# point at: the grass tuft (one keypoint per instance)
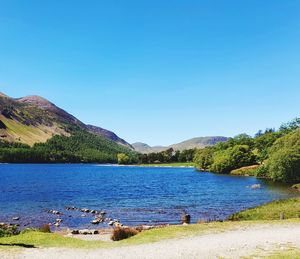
(289, 208)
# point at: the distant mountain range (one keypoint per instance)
(199, 142)
(34, 119)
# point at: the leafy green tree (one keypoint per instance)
(123, 159)
(263, 144)
(233, 158)
(284, 158)
(290, 126)
(204, 158)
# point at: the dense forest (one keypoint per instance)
(167, 156)
(81, 147)
(276, 154)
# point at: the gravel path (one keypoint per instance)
(230, 244)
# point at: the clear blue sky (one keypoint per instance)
(157, 71)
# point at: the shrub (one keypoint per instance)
(45, 228)
(123, 233)
(262, 172)
(7, 230)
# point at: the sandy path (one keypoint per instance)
(229, 244)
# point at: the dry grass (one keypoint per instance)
(123, 233)
(246, 170)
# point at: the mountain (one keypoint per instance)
(199, 142)
(107, 134)
(145, 148)
(34, 119)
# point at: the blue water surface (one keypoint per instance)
(134, 195)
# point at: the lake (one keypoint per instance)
(134, 195)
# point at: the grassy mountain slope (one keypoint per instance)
(33, 119)
(199, 142)
(18, 132)
(34, 130)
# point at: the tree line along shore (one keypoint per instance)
(271, 154)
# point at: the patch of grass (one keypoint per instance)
(247, 170)
(271, 211)
(296, 186)
(39, 239)
(27, 134)
(291, 253)
(170, 165)
(178, 231)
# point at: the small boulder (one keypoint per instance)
(75, 232)
(84, 232)
(255, 186)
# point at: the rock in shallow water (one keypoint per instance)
(255, 186)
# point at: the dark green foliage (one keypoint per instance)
(203, 158)
(262, 172)
(167, 156)
(263, 142)
(284, 158)
(8, 230)
(5, 144)
(232, 158)
(290, 126)
(186, 155)
(2, 125)
(81, 147)
(277, 152)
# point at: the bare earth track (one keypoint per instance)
(245, 241)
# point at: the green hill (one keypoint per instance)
(33, 129)
(33, 119)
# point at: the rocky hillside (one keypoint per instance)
(107, 134)
(199, 142)
(34, 119)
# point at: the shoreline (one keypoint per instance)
(211, 240)
(167, 165)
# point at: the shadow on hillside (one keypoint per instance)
(19, 244)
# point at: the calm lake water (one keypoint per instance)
(134, 195)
